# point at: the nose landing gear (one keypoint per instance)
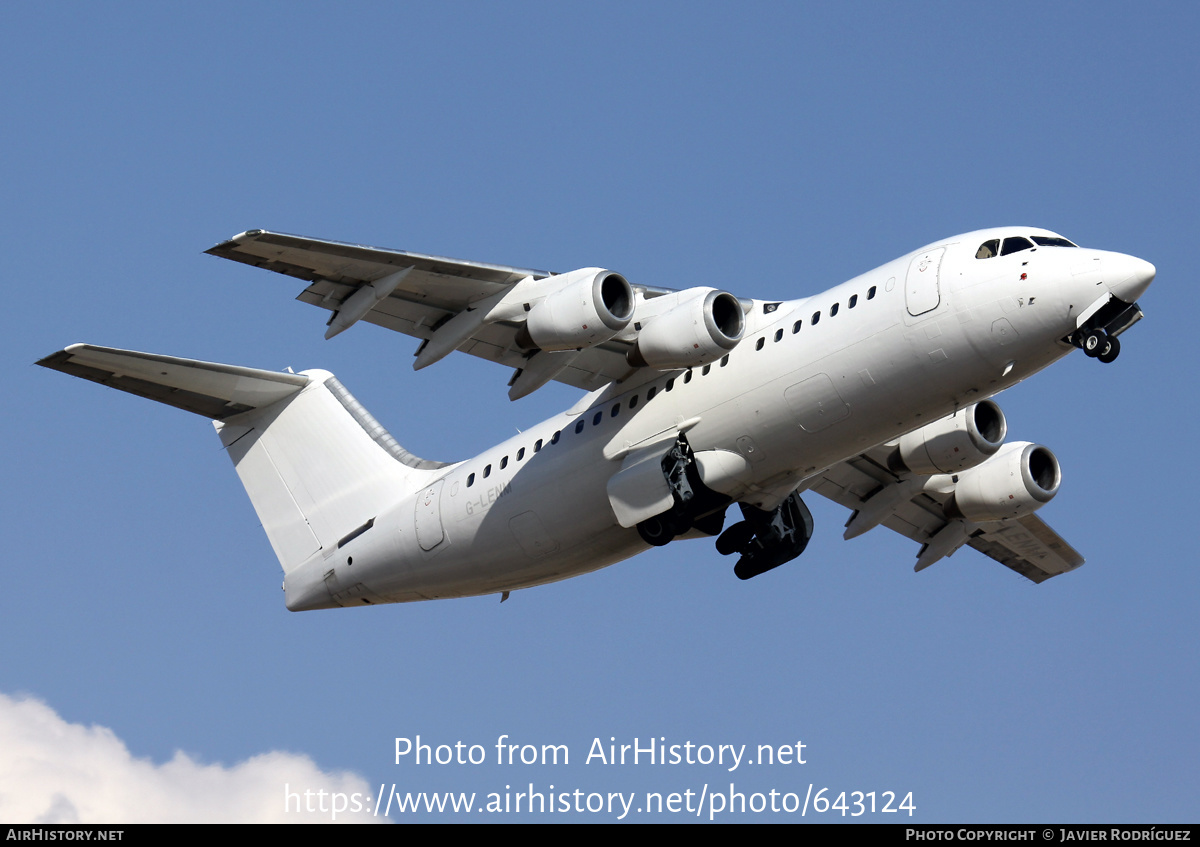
(1098, 344)
(1098, 337)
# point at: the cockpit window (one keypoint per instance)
(1052, 241)
(1015, 245)
(988, 249)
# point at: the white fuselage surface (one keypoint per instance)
(813, 382)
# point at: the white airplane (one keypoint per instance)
(873, 394)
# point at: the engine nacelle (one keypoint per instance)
(700, 329)
(590, 306)
(1017, 481)
(962, 440)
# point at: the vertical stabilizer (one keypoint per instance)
(317, 467)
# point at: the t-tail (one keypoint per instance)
(317, 466)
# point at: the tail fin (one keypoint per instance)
(318, 468)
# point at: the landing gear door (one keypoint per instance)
(429, 516)
(639, 490)
(921, 292)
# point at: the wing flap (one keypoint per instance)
(210, 389)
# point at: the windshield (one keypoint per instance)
(1052, 241)
(1017, 243)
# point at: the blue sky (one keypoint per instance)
(770, 149)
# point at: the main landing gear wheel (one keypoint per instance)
(694, 505)
(766, 540)
(657, 531)
(736, 539)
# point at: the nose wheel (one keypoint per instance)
(1098, 344)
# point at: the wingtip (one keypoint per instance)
(54, 359)
(218, 249)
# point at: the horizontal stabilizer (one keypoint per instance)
(205, 388)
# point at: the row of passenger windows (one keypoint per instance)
(598, 417)
(816, 317)
(991, 248)
(615, 409)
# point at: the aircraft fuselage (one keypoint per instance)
(813, 382)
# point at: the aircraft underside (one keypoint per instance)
(763, 539)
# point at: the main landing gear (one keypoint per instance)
(764, 539)
(696, 506)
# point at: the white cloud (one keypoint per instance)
(52, 771)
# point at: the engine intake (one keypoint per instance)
(1017, 481)
(590, 306)
(959, 441)
(700, 329)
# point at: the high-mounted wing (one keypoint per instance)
(911, 506)
(581, 328)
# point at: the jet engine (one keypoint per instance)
(1017, 481)
(590, 306)
(700, 329)
(959, 441)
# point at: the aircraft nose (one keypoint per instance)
(1128, 277)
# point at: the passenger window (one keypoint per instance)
(554, 438)
(758, 345)
(778, 334)
(871, 293)
(833, 310)
(470, 480)
(633, 402)
(724, 362)
(988, 249)
(796, 326)
(616, 410)
(487, 471)
(579, 424)
(707, 368)
(521, 454)
(599, 416)
(537, 445)
(670, 383)
(1015, 245)
(650, 394)
(852, 302)
(687, 377)
(816, 317)
(504, 463)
